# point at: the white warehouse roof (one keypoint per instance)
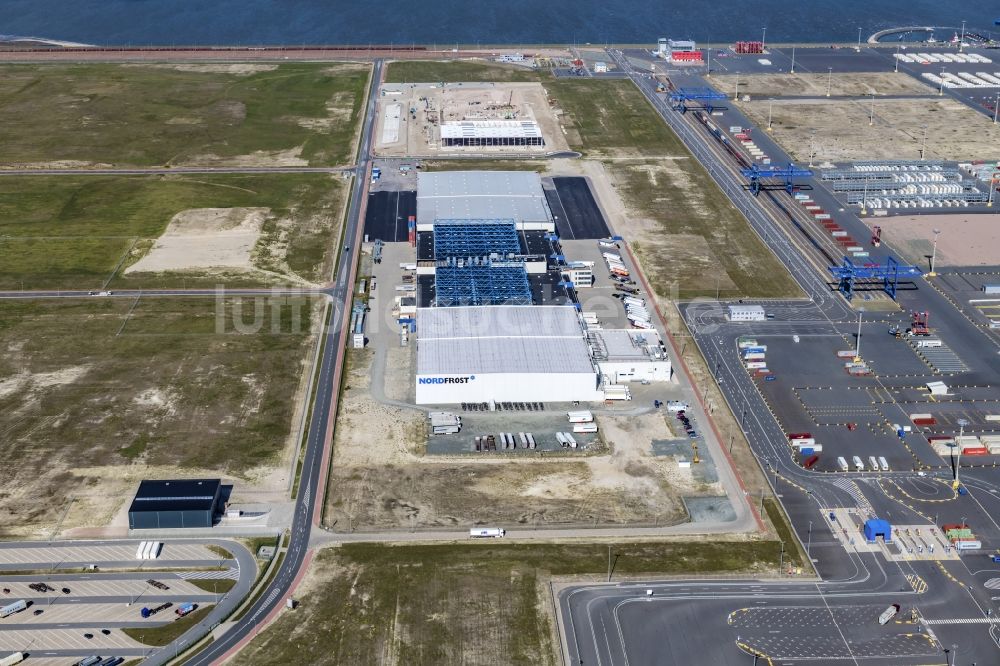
(527, 339)
(485, 129)
(481, 195)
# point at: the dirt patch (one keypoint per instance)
(410, 115)
(839, 130)
(236, 68)
(965, 240)
(203, 238)
(259, 158)
(381, 479)
(816, 84)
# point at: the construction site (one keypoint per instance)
(441, 119)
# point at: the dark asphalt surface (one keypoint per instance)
(610, 625)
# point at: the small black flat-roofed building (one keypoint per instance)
(166, 504)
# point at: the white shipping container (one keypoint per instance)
(584, 427)
(140, 549)
(858, 464)
(756, 365)
(873, 463)
(842, 464)
(883, 463)
(580, 417)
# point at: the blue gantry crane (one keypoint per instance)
(679, 98)
(755, 174)
(889, 273)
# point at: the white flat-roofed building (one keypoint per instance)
(747, 313)
(503, 353)
(625, 355)
(483, 195)
(580, 273)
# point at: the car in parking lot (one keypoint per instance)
(88, 636)
(38, 611)
(65, 590)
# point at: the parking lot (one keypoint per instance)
(80, 596)
(578, 216)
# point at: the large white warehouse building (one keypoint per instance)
(532, 353)
(483, 195)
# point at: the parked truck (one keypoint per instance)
(580, 417)
(487, 533)
(186, 608)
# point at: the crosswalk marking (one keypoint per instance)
(231, 573)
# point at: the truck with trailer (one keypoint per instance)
(858, 463)
(487, 533)
(92, 660)
(842, 463)
(11, 659)
(883, 463)
(583, 416)
(584, 427)
(873, 463)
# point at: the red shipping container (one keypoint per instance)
(928, 422)
(975, 451)
(799, 435)
(810, 461)
(940, 438)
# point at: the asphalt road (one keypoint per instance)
(601, 625)
(314, 463)
(155, 171)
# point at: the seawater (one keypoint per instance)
(450, 22)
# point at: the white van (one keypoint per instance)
(883, 463)
(873, 463)
(842, 463)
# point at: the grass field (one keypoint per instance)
(97, 393)
(429, 71)
(690, 239)
(162, 114)
(610, 118)
(72, 231)
(470, 603)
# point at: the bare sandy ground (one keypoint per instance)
(966, 239)
(435, 104)
(839, 130)
(382, 479)
(815, 84)
(203, 238)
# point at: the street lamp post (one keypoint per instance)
(770, 110)
(996, 109)
(932, 273)
(859, 40)
(871, 116)
(829, 80)
(736, 95)
(941, 87)
(896, 66)
(864, 198)
(793, 61)
(923, 141)
(958, 459)
(763, 38)
(857, 350)
(809, 540)
(961, 40)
